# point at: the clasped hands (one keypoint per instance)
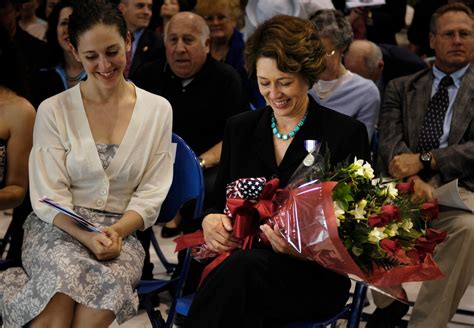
(106, 245)
(217, 229)
(408, 166)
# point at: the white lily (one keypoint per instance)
(390, 190)
(376, 235)
(359, 210)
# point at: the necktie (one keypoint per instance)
(432, 127)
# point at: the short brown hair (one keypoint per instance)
(456, 6)
(293, 42)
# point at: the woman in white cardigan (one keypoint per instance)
(103, 149)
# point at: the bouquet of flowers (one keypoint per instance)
(351, 223)
(339, 217)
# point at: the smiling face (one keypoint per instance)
(186, 47)
(453, 41)
(137, 13)
(62, 31)
(286, 93)
(101, 50)
(220, 23)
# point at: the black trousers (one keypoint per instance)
(259, 288)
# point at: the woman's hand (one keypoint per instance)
(217, 230)
(106, 245)
(278, 243)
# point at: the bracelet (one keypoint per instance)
(202, 163)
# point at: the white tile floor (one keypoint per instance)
(141, 320)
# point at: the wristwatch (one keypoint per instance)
(425, 158)
(202, 163)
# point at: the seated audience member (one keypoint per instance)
(338, 88)
(203, 92)
(32, 51)
(419, 29)
(258, 11)
(146, 45)
(17, 116)
(31, 23)
(49, 5)
(227, 43)
(103, 149)
(365, 59)
(247, 289)
(427, 137)
(65, 71)
(381, 63)
(168, 9)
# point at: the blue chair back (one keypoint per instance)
(188, 184)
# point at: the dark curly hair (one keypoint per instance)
(293, 42)
(89, 13)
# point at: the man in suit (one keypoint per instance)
(429, 152)
(146, 45)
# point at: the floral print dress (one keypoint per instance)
(54, 262)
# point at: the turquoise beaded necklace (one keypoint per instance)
(292, 133)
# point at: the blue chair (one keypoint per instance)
(188, 184)
(351, 312)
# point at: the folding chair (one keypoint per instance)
(188, 184)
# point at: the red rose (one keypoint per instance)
(390, 212)
(389, 246)
(406, 187)
(424, 246)
(375, 221)
(436, 236)
(430, 210)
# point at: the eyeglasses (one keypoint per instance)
(448, 35)
(211, 18)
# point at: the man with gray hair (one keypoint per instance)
(365, 58)
(381, 63)
(203, 92)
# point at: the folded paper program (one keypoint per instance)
(75, 217)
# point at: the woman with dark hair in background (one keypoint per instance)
(64, 70)
(248, 289)
(103, 149)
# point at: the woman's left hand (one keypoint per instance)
(278, 243)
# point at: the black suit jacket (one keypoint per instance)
(150, 47)
(248, 151)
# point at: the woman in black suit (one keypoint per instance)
(270, 287)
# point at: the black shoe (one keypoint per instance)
(170, 232)
(389, 317)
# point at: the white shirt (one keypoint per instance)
(64, 164)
